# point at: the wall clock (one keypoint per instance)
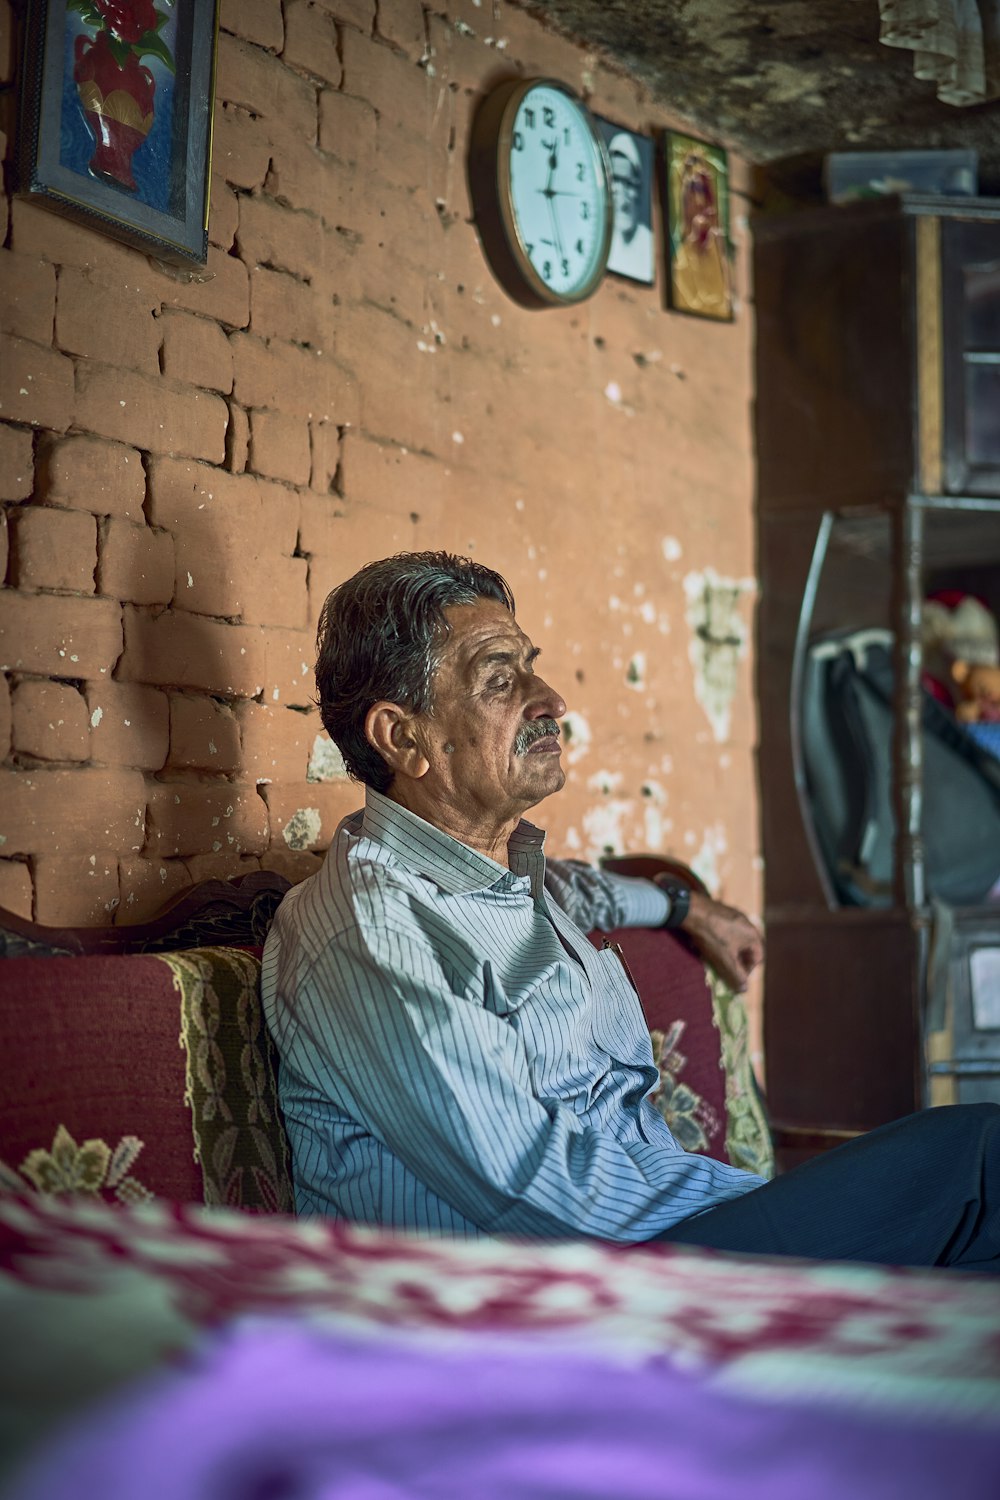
(541, 190)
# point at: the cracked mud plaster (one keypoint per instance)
(718, 641)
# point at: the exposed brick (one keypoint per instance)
(113, 324)
(384, 476)
(76, 892)
(403, 382)
(241, 146)
(306, 816)
(284, 306)
(294, 864)
(289, 659)
(27, 306)
(219, 291)
(60, 812)
(293, 380)
(196, 351)
(402, 23)
(320, 521)
(248, 76)
(225, 866)
(224, 212)
(36, 385)
(176, 649)
(5, 720)
(58, 636)
(303, 177)
(271, 235)
(135, 563)
(458, 56)
(359, 13)
(129, 725)
(311, 41)
(54, 549)
(256, 21)
(275, 741)
(248, 581)
(105, 478)
(347, 127)
(325, 447)
(205, 818)
(399, 91)
(17, 464)
(152, 414)
(196, 501)
(49, 721)
(279, 446)
(38, 232)
(16, 889)
(204, 735)
(146, 885)
(237, 439)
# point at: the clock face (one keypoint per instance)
(557, 204)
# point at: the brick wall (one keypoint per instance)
(188, 463)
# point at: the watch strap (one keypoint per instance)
(679, 897)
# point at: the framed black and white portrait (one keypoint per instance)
(632, 248)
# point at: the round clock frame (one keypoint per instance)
(493, 155)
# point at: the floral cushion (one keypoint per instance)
(707, 1093)
(126, 1077)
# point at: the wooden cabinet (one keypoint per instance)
(878, 436)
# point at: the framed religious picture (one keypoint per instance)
(632, 245)
(696, 197)
(116, 117)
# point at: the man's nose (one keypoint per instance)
(545, 702)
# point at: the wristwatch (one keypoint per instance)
(679, 897)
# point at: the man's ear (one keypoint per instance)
(392, 731)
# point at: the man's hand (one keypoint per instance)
(725, 938)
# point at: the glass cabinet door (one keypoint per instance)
(970, 284)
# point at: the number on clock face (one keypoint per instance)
(557, 189)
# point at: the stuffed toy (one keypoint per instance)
(978, 686)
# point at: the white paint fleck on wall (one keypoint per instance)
(635, 672)
(718, 641)
(603, 827)
(706, 862)
(604, 782)
(303, 828)
(656, 825)
(96, 717)
(672, 549)
(576, 737)
(325, 761)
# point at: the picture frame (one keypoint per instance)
(633, 246)
(696, 203)
(115, 121)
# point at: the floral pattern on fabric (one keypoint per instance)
(239, 1138)
(692, 1120)
(91, 1168)
(748, 1138)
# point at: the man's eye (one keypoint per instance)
(499, 684)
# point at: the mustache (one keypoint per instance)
(536, 730)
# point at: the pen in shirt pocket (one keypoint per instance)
(616, 948)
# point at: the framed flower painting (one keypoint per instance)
(116, 117)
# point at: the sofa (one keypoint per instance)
(137, 1064)
(170, 1327)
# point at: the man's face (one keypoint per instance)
(491, 739)
(627, 189)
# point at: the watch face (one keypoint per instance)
(559, 199)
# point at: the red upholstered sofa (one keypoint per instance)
(136, 1062)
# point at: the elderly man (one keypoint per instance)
(455, 1056)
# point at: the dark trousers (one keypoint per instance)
(923, 1191)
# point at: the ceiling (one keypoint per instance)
(783, 81)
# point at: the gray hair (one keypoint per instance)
(380, 638)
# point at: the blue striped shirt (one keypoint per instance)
(457, 1057)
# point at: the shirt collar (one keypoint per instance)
(452, 865)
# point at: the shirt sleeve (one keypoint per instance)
(595, 898)
(444, 1083)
